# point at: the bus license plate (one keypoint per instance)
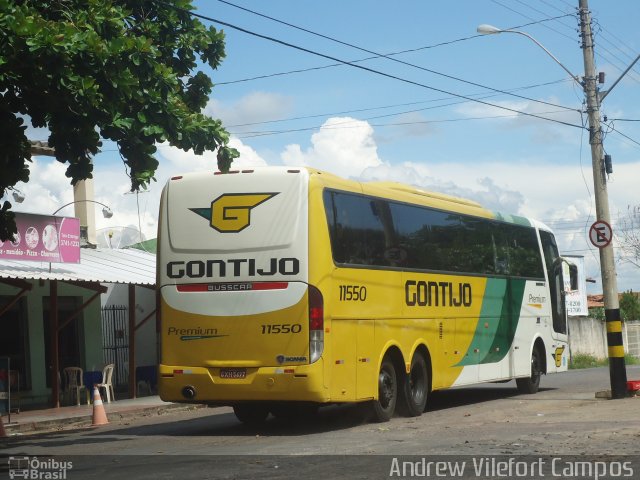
(233, 373)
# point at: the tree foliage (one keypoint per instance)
(629, 308)
(88, 70)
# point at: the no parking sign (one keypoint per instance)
(600, 234)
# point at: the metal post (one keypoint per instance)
(53, 328)
(617, 371)
(132, 341)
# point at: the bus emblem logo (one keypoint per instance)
(231, 212)
(285, 359)
(557, 356)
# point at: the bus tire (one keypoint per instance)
(415, 388)
(531, 384)
(384, 407)
(250, 413)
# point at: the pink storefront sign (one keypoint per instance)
(43, 238)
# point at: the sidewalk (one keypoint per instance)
(73, 417)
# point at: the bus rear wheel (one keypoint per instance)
(415, 388)
(251, 414)
(531, 384)
(383, 408)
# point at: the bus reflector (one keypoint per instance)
(270, 285)
(316, 324)
(231, 287)
(193, 287)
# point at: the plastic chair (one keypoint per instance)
(107, 376)
(74, 384)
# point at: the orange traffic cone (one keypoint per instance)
(99, 415)
(2, 431)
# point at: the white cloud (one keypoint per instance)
(535, 187)
(508, 115)
(410, 124)
(343, 146)
(49, 188)
(48, 192)
(489, 194)
(173, 160)
(253, 107)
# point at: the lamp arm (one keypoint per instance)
(77, 201)
(575, 78)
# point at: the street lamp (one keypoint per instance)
(17, 195)
(617, 371)
(106, 211)
(486, 29)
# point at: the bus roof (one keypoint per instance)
(412, 194)
(403, 193)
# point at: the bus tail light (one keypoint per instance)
(316, 324)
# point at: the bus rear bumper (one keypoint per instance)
(205, 385)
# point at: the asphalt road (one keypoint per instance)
(563, 418)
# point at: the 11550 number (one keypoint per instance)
(281, 328)
(353, 293)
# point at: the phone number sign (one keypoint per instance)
(43, 238)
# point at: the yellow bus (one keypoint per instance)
(285, 289)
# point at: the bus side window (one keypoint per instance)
(556, 287)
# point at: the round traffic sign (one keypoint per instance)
(600, 234)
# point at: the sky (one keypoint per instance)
(408, 116)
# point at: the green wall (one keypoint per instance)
(91, 357)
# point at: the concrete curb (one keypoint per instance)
(85, 420)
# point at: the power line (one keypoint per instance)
(547, 15)
(554, 7)
(435, 72)
(600, 34)
(600, 55)
(361, 67)
(345, 112)
(625, 136)
(450, 120)
(342, 125)
(622, 42)
(302, 70)
(530, 18)
(578, 223)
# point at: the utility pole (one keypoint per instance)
(617, 370)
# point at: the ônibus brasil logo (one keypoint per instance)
(231, 212)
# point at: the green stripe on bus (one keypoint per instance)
(499, 317)
(490, 316)
(508, 323)
(518, 220)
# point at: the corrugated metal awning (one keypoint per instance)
(129, 266)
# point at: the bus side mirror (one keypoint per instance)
(573, 276)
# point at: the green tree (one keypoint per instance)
(629, 306)
(122, 70)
